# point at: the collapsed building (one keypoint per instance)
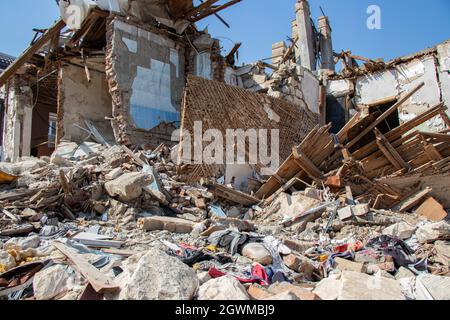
(358, 193)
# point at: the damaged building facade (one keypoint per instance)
(118, 76)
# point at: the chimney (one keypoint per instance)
(326, 44)
(304, 53)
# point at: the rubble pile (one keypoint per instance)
(96, 222)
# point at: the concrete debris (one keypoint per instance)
(328, 289)
(433, 231)
(159, 276)
(128, 186)
(173, 225)
(346, 265)
(401, 230)
(360, 286)
(7, 261)
(54, 281)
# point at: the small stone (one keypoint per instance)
(50, 282)
(174, 225)
(59, 161)
(258, 253)
(234, 212)
(433, 231)
(31, 242)
(223, 288)
(404, 273)
(299, 264)
(200, 203)
(257, 292)
(345, 213)
(114, 174)
(203, 277)
(301, 293)
(328, 289)
(129, 186)
(360, 210)
(7, 261)
(347, 265)
(313, 193)
(283, 296)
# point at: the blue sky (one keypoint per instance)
(408, 26)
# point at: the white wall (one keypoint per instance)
(444, 72)
(310, 89)
(400, 80)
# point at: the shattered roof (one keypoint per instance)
(5, 60)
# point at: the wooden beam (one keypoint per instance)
(28, 53)
(215, 10)
(437, 136)
(307, 165)
(100, 282)
(412, 200)
(446, 119)
(389, 151)
(382, 101)
(431, 152)
(385, 115)
(197, 10)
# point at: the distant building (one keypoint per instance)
(5, 61)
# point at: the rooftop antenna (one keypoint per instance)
(323, 13)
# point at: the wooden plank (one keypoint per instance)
(437, 136)
(446, 119)
(382, 101)
(317, 145)
(432, 210)
(133, 156)
(28, 53)
(197, 10)
(215, 10)
(306, 164)
(432, 153)
(121, 252)
(11, 216)
(390, 152)
(397, 133)
(100, 282)
(386, 114)
(232, 195)
(412, 200)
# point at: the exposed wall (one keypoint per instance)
(17, 125)
(444, 72)
(146, 78)
(290, 82)
(80, 100)
(221, 107)
(397, 81)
